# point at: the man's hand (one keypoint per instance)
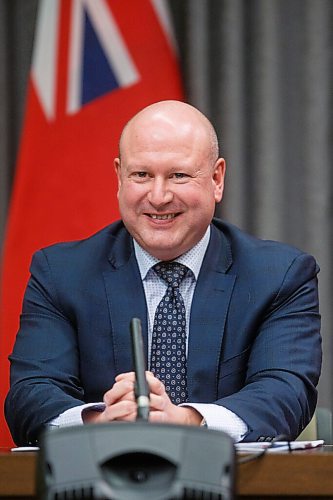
(120, 404)
(161, 407)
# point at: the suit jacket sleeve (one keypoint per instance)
(45, 376)
(282, 364)
(74, 330)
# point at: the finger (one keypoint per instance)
(130, 376)
(157, 402)
(125, 376)
(118, 391)
(128, 397)
(122, 410)
(171, 414)
(158, 417)
(155, 385)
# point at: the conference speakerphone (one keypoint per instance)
(134, 461)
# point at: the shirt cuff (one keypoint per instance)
(216, 417)
(221, 419)
(73, 416)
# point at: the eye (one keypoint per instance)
(141, 175)
(179, 175)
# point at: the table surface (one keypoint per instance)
(300, 474)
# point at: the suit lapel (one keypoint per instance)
(126, 300)
(208, 315)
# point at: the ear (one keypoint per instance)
(117, 167)
(218, 178)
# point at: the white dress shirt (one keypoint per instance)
(216, 417)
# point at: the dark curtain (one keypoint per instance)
(17, 20)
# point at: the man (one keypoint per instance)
(249, 351)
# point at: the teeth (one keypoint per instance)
(162, 217)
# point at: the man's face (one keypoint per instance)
(168, 187)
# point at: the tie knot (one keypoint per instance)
(171, 272)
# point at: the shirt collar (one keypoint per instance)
(192, 258)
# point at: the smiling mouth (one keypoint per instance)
(162, 217)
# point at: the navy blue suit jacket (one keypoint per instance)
(254, 343)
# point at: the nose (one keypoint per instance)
(159, 193)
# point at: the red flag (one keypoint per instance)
(95, 63)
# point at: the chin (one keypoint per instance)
(168, 252)
(161, 252)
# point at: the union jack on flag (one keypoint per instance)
(98, 58)
(95, 64)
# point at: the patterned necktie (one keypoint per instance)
(168, 350)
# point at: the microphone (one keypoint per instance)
(141, 385)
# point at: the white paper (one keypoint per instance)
(278, 446)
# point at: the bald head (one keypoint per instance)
(172, 117)
(169, 178)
